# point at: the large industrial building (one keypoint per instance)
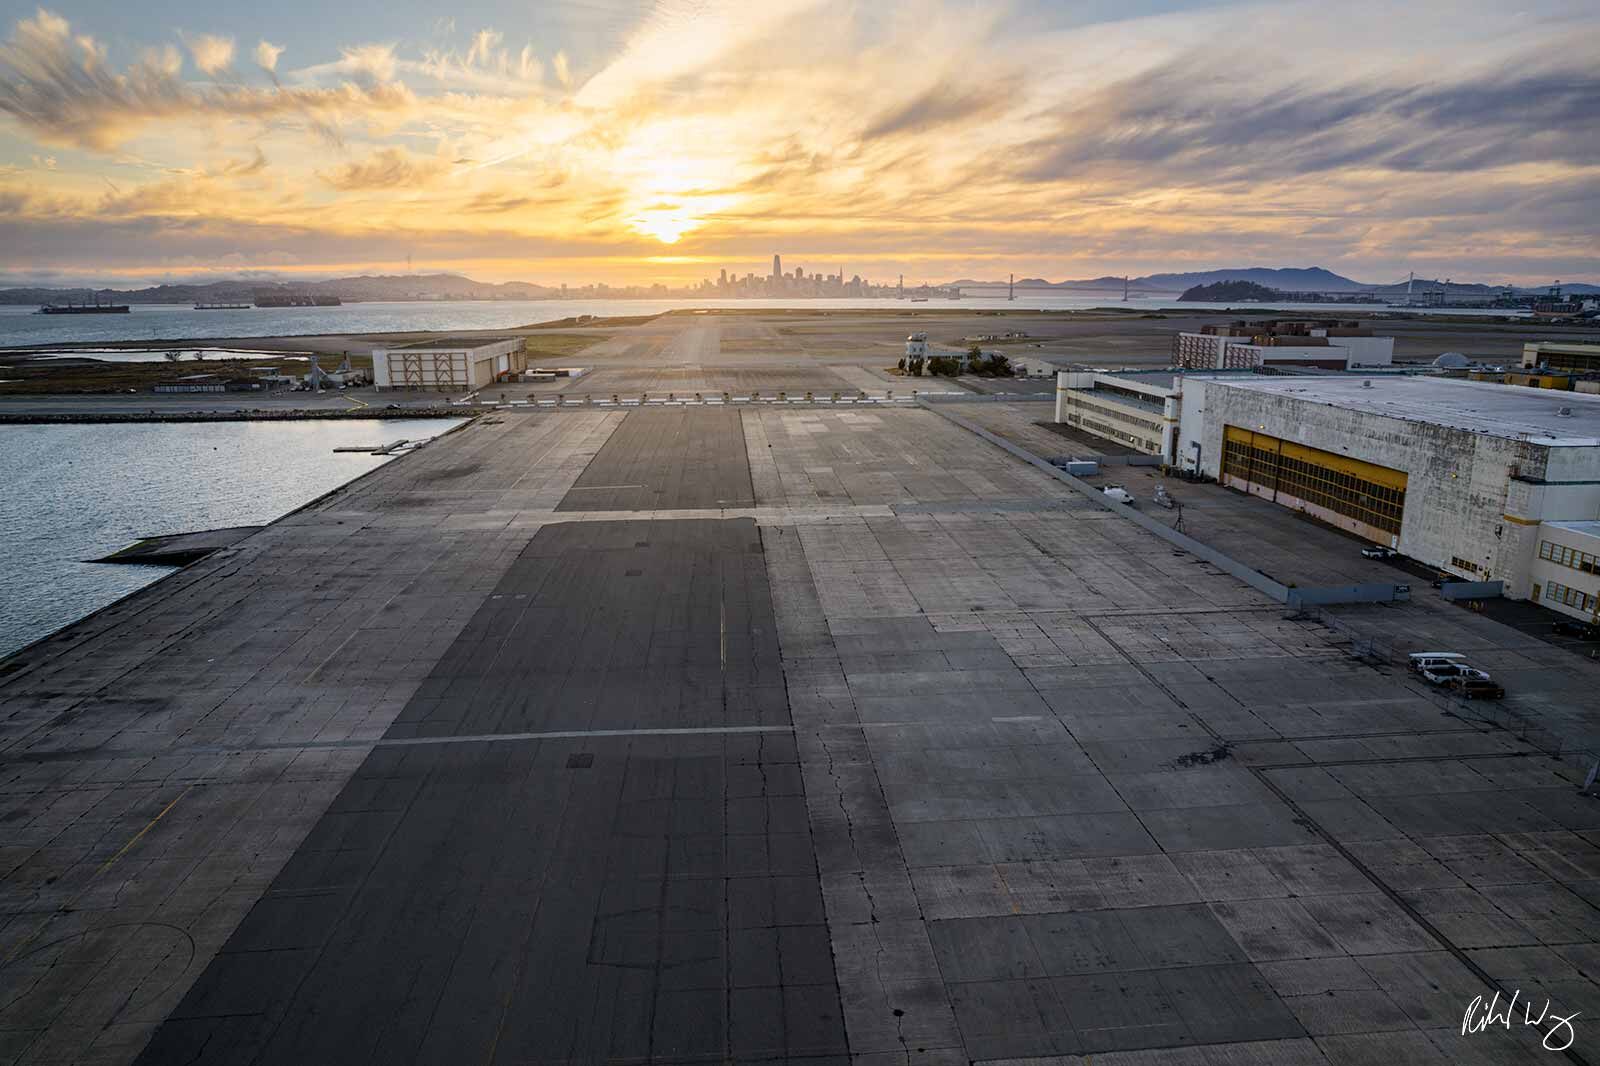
(449, 364)
(1485, 482)
(1137, 409)
(1324, 345)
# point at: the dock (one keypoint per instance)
(179, 549)
(381, 449)
(764, 734)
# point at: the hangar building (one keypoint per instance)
(1486, 482)
(448, 364)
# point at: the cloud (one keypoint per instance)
(240, 168)
(267, 55)
(487, 65)
(485, 45)
(165, 62)
(496, 203)
(920, 132)
(57, 87)
(1169, 122)
(950, 100)
(388, 168)
(686, 37)
(368, 63)
(211, 54)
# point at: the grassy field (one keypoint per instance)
(35, 377)
(587, 321)
(556, 347)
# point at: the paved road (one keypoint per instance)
(641, 896)
(668, 460)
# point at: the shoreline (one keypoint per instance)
(257, 415)
(896, 308)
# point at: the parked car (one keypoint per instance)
(1573, 627)
(1445, 673)
(1423, 660)
(1117, 494)
(1473, 689)
(1377, 551)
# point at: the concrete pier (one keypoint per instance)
(765, 735)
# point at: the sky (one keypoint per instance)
(611, 141)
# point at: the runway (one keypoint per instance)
(766, 734)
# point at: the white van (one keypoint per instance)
(1425, 660)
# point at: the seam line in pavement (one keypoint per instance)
(559, 734)
(1394, 896)
(578, 734)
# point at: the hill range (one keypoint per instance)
(1284, 279)
(457, 287)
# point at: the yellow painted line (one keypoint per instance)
(358, 403)
(140, 834)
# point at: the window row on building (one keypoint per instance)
(1317, 478)
(1571, 597)
(1562, 555)
(1113, 411)
(1465, 564)
(1117, 433)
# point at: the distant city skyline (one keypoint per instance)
(640, 143)
(823, 282)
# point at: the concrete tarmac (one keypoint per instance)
(866, 743)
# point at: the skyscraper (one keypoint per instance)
(777, 267)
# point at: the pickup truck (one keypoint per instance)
(1448, 673)
(1473, 689)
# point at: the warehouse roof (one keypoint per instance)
(1475, 406)
(1589, 529)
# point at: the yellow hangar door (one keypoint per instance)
(1364, 498)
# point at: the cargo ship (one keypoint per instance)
(96, 308)
(222, 307)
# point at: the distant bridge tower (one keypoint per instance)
(900, 289)
(1011, 288)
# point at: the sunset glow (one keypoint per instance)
(935, 139)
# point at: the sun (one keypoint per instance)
(665, 224)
